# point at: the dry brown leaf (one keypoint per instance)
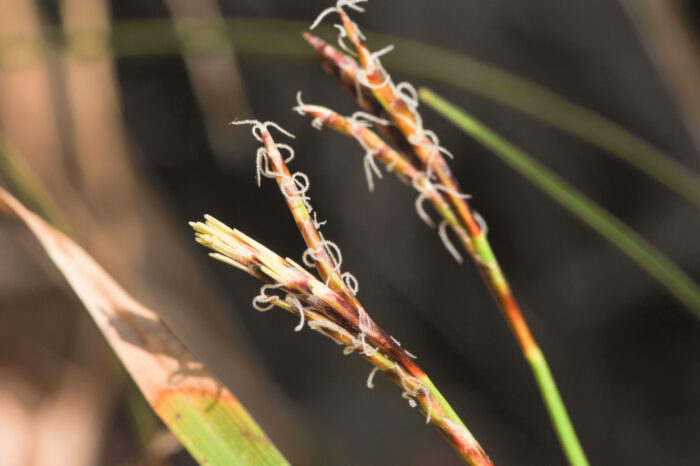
(204, 415)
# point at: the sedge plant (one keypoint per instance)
(420, 159)
(327, 303)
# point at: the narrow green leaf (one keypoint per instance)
(556, 408)
(609, 227)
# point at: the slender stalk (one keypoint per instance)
(538, 364)
(555, 408)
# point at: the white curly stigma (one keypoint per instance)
(408, 353)
(301, 184)
(259, 126)
(338, 8)
(367, 119)
(262, 166)
(310, 256)
(427, 139)
(289, 149)
(421, 183)
(360, 342)
(298, 182)
(357, 342)
(342, 35)
(317, 223)
(263, 301)
(420, 210)
(363, 120)
(370, 165)
(411, 393)
(323, 327)
(451, 192)
(442, 231)
(426, 187)
(295, 303)
(304, 109)
(435, 143)
(422, 137)
(300, 105)
(481, 221)
(408, 93)
(351, 282)
(294, 186)
(262, 162)
(370, 377)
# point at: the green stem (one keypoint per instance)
(442, 401)
(455, 430)
(556, 409)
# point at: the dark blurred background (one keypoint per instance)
(130, 148)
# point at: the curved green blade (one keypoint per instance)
(609, 227)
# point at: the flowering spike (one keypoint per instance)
(332, 315)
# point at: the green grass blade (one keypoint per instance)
(556, 409)
(612, 229)
(208, 420)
